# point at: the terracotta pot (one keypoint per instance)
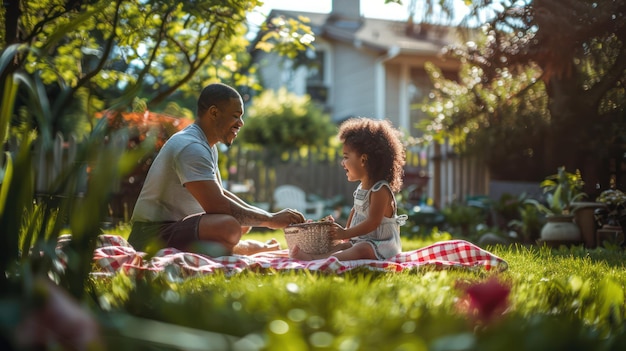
(560, 228)
(584, 216)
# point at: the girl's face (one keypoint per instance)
(354, 164)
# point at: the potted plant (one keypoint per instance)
(611, 216)
(561, 191)
(615, 201)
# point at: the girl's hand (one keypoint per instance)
(337, 232)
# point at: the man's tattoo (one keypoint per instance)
(248, 217)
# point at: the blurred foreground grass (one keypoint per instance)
(560, 299)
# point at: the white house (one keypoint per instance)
(375, 68)
(362, 66)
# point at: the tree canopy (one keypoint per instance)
(92, 54)
(573, 52)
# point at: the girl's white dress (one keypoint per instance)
(385, 240)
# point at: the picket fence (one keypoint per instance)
(435, 173)
(50, 161)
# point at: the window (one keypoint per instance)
(315, 76)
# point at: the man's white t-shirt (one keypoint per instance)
(185, 157)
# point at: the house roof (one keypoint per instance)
(377, 34)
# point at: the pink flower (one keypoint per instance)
(60, 321)
(485, 300)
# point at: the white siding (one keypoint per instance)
(353, 84)
(275, 72)
(392, 98)
(270, 70)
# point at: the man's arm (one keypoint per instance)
(238, 200)
(214, 199)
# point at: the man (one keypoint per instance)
(182, 203)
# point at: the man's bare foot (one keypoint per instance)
(251, 247)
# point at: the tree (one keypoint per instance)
(579, 50)
(502, 122)
(77, 58)
(95, 54)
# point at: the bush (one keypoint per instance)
(283, 121)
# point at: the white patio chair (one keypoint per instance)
(291, 196)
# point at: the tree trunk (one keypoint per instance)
(11, 17)
(571, 134)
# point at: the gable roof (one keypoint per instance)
(376, 34)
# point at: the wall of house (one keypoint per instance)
(347, 8)
(392, 94)
(407, 86)
(275, 72)
(354, 89)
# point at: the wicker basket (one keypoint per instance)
(312, 237)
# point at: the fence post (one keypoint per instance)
(434, 169)
(58, 162)
(40, 159)
(119, 141)
(81, 177)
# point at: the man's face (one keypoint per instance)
(228, 121)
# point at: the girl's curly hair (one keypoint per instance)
(382, 144)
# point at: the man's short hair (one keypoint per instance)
(215, 94)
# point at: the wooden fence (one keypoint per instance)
(454, 178)
(317, 173)
(51, 161)
(434, 173)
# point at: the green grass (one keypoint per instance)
(560, 299)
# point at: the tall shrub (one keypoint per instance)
(283, 121)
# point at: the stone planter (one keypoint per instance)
(560, 230)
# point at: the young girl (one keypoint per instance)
(373, 155)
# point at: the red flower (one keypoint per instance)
(485, 300)
(142, 123)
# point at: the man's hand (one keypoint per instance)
(285, 217)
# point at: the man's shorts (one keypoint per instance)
(152, 236)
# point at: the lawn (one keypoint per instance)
(548, 299)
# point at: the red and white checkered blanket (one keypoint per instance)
(114, 253)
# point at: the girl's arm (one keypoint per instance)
(381, 204)
(350, 217)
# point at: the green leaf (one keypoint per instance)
(9, 53)
(556, 204)
(18, 194)
(6, 109)
(612, 299)
(5, 180)
(39, 103)
(61, 32)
